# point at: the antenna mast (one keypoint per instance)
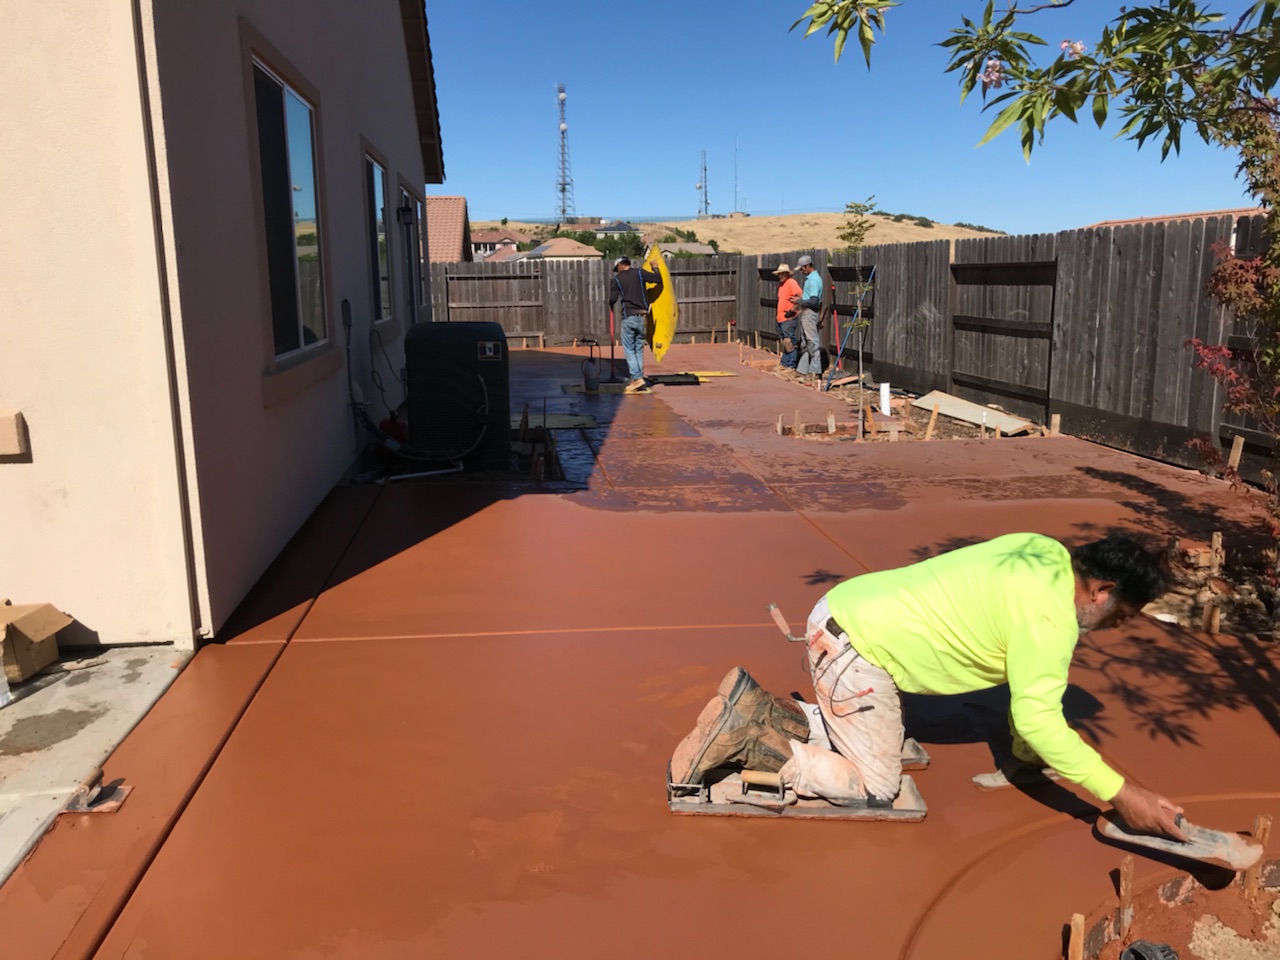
(704, 205)
(564, 182)
(735, 174)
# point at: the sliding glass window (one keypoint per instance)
(291, 207)
(380, 255)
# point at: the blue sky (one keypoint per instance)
(651, 86)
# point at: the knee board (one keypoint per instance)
(664, 312)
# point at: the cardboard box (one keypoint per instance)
(29, 637)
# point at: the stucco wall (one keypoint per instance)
(261, 466)
(92, 522)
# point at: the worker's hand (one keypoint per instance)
(1148, 812)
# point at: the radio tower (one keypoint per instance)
(564, 183)
(703, 205)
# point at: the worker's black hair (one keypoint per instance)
(1124, 562)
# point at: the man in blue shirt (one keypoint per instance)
(628, 291)
(810, 303)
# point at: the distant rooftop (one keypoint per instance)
(1235, 212)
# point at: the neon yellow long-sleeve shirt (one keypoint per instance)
(1000, 611)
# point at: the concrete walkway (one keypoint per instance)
(439, 725)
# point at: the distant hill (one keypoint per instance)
(752, 235)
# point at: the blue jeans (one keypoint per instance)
(811, 351)
(788, 328)
(633, 329)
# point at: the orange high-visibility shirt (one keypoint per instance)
(787, 289)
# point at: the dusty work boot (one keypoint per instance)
(743, 726)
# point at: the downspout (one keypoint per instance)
(198, 628)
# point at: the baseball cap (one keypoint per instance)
(804, 261)
(620, 261)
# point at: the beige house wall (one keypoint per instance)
(269, 445)
(92, 522)
(98, 511)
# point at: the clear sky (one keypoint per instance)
(652, 85)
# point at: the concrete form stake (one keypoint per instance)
(1055, 424)
(1237, 448)
(1216, 553)
(757, 339)
(1212, 617)
(933, 419)
(796, 425)
(1075, 946)
(831, 421)
(782, 431)
(1253, 876)
(1126, 896)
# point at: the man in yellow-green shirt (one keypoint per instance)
(1006, 611)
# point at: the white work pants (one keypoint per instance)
(862, 710)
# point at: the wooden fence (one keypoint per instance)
(1090, 324)
(552, 302)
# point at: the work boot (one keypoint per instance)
(742, 725)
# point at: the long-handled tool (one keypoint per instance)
(1222, 849)
(613, 370)
(853, 324)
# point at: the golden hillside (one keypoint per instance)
(794, 231)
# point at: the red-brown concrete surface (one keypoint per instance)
(461, 750)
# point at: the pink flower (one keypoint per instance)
(993, 76)
(1072, 48)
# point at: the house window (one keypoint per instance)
(290, 203)
(422, 255)
(380, 256)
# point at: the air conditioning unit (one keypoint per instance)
(459, 393)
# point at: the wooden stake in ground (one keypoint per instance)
(1126, 896)
(1075, 946)
(1237, 449)
(797, 426)
(782, 431)
(757, 339)
(1253, 876)
(831, 421)
(1212, 618)
(1216, 553)
(1055, 424)
(871, 422)
(933, 419)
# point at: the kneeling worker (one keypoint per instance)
(1006, 611)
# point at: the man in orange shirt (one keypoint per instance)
(788, 323)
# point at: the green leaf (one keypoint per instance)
(866, 38)
(840, 38)
(1099, 109)
(1003, 121)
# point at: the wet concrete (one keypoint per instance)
(461, 749)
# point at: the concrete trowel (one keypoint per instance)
(1217, 847)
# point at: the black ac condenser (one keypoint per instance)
(459, 393)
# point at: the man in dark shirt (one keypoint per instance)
(628, 290)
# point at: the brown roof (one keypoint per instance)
(498, 236)
(448, 230)
(1236, 212)
(563, 247)
(417, 41)
(500, 255)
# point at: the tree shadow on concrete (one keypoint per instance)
(1174, 683)
(1178, 513)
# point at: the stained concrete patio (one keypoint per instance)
(440, 724)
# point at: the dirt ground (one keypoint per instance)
(754, 235)
(1204, 924)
